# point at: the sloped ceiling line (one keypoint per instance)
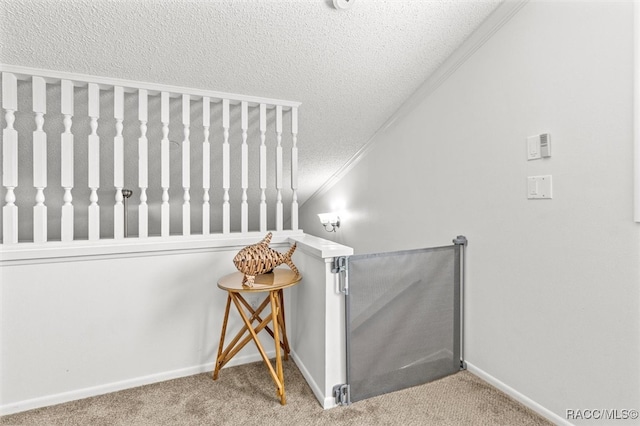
(476, 40)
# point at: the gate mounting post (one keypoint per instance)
(461, 241)
(342, 393)
(340, 266)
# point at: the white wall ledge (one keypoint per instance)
(319, 247)
(54, 251)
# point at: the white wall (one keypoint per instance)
(85, 325)
(83, 321)
(553, 299)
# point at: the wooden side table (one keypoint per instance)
(273, 283)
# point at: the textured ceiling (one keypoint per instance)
(350, 69)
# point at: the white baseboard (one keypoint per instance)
(329, 402)
(524, 400)
(325, 401)
(47, 400)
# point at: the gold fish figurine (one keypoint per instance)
(259, 259)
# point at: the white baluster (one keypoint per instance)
(164, 165)
(244, 222)
(143, 165)
(294, 168)
(279, 218)
(66, 162)
(226, 222)
(10, 159)
(206, 176)
(94, 162)
(118, 163)
(39, 160)
(263, 168)
(186, 165)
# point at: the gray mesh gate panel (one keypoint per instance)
(403, 319)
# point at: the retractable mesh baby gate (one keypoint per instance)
(403, 319)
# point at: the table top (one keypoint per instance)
(275, 280)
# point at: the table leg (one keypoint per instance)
(277, 317)
(283, 326)
(256, 314)
(275, 311)
(275, 376)
(234, 347)
(224, 331)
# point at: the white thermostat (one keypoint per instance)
(539, 146)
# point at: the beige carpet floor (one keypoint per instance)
(245, 395)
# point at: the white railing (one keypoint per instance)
(218, 136)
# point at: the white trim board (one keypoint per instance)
(57, 251)
(524, 400)
(493, 23)
(74, 395)
(325, 402)
(636, 112)
(107, 83)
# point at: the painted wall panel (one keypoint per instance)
(553, 286)
(73, 326)
(93, 321)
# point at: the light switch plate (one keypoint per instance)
(539, 187)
